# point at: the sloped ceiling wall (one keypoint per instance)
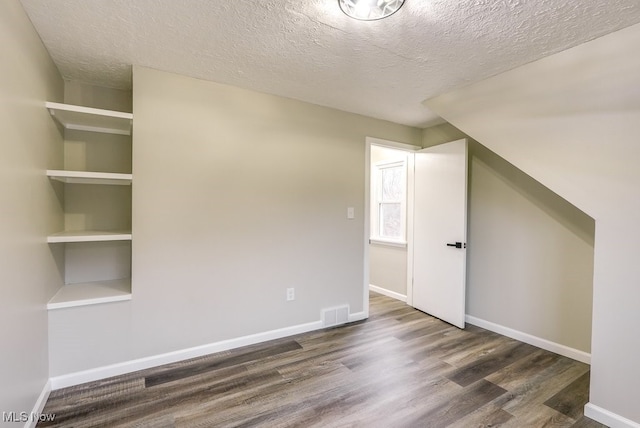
(572, 122)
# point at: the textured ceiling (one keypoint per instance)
(309, 50)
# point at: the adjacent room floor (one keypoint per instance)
(400, 368)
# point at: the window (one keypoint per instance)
(389, 202)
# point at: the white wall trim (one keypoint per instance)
(39, 405)
(388, 293)
(608, 418)
(388, 243)
(358, 316)
(563, 350)
(411, 186)
(77, 378)
(391, 144)
(366, 253)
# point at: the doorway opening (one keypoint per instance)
(418, 211)
(388, 202)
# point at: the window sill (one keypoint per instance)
(388, 242)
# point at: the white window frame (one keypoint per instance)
(376, 200)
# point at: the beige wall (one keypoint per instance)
(237, 196)
(530, 255)
(572, 122)
(30, 271)
(440, 134)
(388, 267)
(83, 94)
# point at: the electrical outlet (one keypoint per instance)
(291, 294)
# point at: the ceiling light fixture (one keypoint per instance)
(370, 10)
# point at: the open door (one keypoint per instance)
(440, 230)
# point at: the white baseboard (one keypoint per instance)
(358, 316)
(563, 350)
(64, 381)
(39, 405)
(388, 293)
(608, 418)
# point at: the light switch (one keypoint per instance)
(351, 213)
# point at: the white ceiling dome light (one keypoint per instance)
(370, 10)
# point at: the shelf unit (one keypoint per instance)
(93, 120)
(86, 177)
(82, 118)
(89, 236)
(91, 293)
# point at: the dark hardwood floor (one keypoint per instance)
(400, 368)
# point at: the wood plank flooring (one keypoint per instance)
(400, 368)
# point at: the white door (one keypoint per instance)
(440, 230)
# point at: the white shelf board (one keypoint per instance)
(89, 236)
(91, 119)
(86, 177)
(91, 293)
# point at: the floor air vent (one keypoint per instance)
(335, 316)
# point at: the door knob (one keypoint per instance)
(457, 244)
